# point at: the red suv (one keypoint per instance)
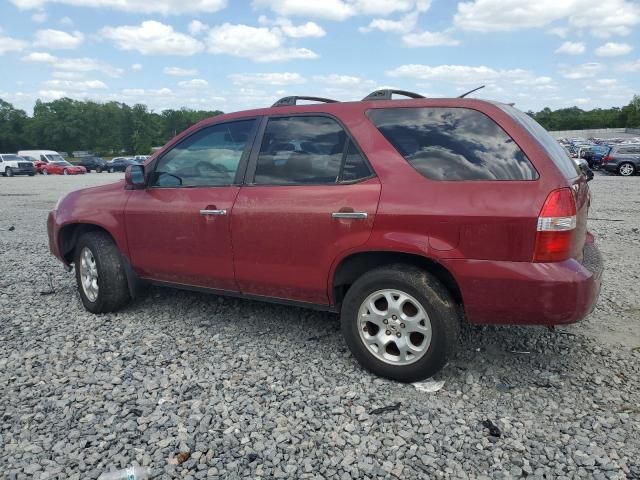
(406, 216)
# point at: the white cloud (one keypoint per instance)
(429, 39)
(136, 66)
(66, 21)
(405, 25)
(470, 75)
(68, 75)
(561, 32)
(309, 29)
(630, 66)
(338, 9)
(260, 44)
(8, 44)
(283, 78)
(73, 64)
(164, 7)
(596, 16)
(39, 17)
(57, 39)
(196, 27)
(342, 80)
(571, 48)
(76, 85)
(194, 83)
(611, 49)
(180, 72)
(152, 38)
(578, 72)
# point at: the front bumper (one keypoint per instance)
(53, 231)
(526, 293)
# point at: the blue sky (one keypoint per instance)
(236, 54)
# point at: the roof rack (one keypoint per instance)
(290, 101)
(387, 93)
(471, 91)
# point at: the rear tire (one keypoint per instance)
(626, 169)
(31, 174)
(424, 297)
(98, 170)
(112, 291)
(111, 170)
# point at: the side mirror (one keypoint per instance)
(134, 177)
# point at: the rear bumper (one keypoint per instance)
(523, 293)
(609, 167)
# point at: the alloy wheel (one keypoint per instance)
(89, 274)
(394, 327)
(626, 169)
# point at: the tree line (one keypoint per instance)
(105, 129)
(112, 128)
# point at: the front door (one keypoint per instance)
(178, 227)
(312, 197)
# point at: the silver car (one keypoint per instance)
(623, 159)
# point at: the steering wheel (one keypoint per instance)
(206, 169)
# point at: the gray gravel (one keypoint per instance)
(198, 386)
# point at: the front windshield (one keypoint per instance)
(12, 158)
(55, 158)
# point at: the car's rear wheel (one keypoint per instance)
(111, 170)
(8, 172)
(100, 273)
(98, 170)
(626, 169)
(400, 322)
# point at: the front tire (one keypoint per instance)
(400, 322)
(111, 170)
(65, 172)
(626, 169)
(8, 172)
(45, 172)
(98, 170)
(100, 273)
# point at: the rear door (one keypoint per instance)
(309, 196)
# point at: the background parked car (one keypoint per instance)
(623, 159)
(141, 158)
(93, 163)
(41, 158)
(12, 164)
(62, 168)
(120, 164)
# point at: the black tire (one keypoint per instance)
(31, 174)
(65, 172)
(113, 290)
(432, 296)
(98, 170)
(8, 172)
(111, 170)
(626, 164)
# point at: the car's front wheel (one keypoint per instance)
(8, 172)
(100, 273)
(45, 171)
(98, 170)
(400, 322)
(626, 169)
(111, 170)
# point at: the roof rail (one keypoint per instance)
(290, 101)
(471, 91)
(387, 93)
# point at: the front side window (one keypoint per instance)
(453, 144)
(300, 150)
(209, 157)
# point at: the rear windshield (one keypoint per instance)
(553, 149)
(453, 144)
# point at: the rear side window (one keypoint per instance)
(307, 150)
(453, 144)
(553, 149)
(628, 150)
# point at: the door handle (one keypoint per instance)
(351, 215)
(213, 212)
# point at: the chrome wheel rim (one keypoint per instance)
(626, 169)
(394, 327)
(89, 274)
(44, 172)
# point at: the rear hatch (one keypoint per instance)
(572, 173)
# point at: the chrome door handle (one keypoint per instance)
(213, 212)
(352, 215)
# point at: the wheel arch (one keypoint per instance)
(355, 265)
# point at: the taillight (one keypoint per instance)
(556, 227)
(606, 159)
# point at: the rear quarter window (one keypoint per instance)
(453, 144)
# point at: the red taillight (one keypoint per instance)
(606, 159)
(556, 227)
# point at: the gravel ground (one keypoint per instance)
(199, 386)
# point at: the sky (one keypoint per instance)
(239, 54)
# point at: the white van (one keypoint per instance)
(41, 157)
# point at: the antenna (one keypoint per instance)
(471, 91)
